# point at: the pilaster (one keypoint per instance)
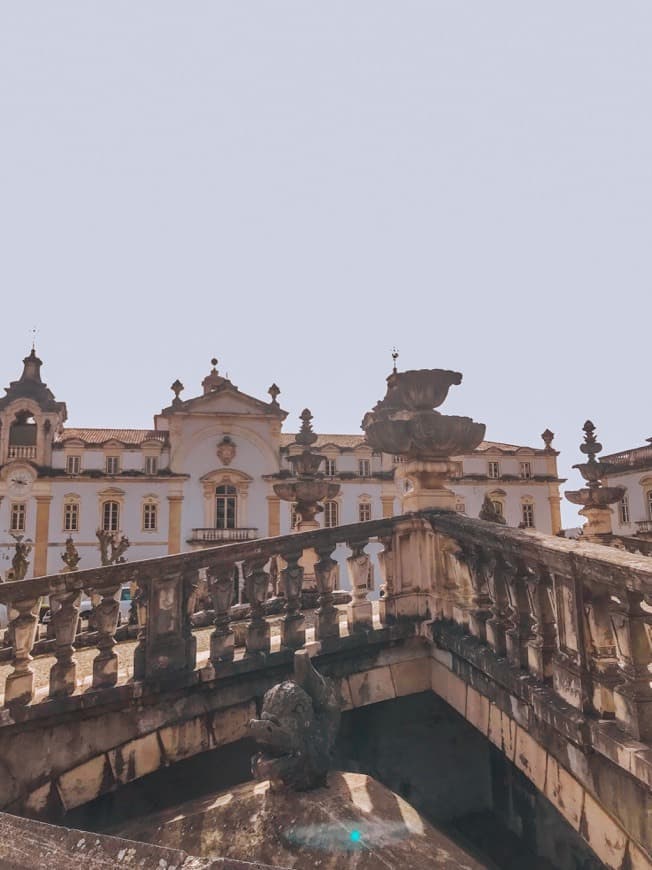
(41, 535)
(174, 523)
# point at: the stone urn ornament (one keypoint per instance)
(594, 498)
(405, 423)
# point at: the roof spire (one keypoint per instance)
(34, 331)
(394, 358)
(213, 381)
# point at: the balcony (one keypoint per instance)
(221, 536)
(644, 527)
(22, 451)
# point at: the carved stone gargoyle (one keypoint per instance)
(297, 728)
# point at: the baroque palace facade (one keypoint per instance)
(204, 475)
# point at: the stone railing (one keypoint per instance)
(644, 527)
(166, 592)
(19, 451)
(574, 617)
(569, 617)
(629, 458)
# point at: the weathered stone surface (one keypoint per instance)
(353, 823)
(603, 835)
(565, 793)
(29, 845)
(531, 758)
(371, 687)
(411, 677)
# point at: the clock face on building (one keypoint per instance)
(19, 482)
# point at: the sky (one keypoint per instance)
(297, 187)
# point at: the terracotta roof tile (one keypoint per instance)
(288, 438)
(131, 437)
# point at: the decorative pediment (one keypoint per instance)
(111, 492)
(226, 400)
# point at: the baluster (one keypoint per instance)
(570, 673)
(603, 658)
(542, 643)
(480, 566)
(19, 687)
(358, 565)
(498, 622)
(633, 697)
(221, 586)
(387, 591)
(105, 619)
(190, 588)
(256, 586)
(518, 632)
(293, 631)
(63, 674)
(141, 603)
(326, 572)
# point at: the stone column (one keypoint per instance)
(42, 535)
(174, 523)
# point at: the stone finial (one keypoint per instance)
(547, 437)
(306, 436)
(177, 387)
(394, 359)
(274, 393)
(591, 446)
(70, 556)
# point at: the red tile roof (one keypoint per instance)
(131, 437)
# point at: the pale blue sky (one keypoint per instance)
(297, 186)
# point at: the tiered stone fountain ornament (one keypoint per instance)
(594, 498)
(306, 489)
(405, 423)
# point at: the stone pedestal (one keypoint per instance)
(413, 567)
(428, 479)
(598, 522)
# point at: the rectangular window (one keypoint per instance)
(73, 464)
(528, 516)
(18, 511)
(526, 470)
(71, 516)
(330, 468)
(110, 516)
(112, 464)
(149, 517)
(460, 507)
(151, 464)
(364, 511)
(623, 510)
(330, 514)
(493, 470)
(364, 467)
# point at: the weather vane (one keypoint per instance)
(34, 331)
(394, 358)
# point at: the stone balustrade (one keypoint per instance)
(573, 618)
(165, 597)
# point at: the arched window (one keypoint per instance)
(111, 516)
(331, 514)
(498, 506)
(23, 430)
(226, 506)
(22, 436)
